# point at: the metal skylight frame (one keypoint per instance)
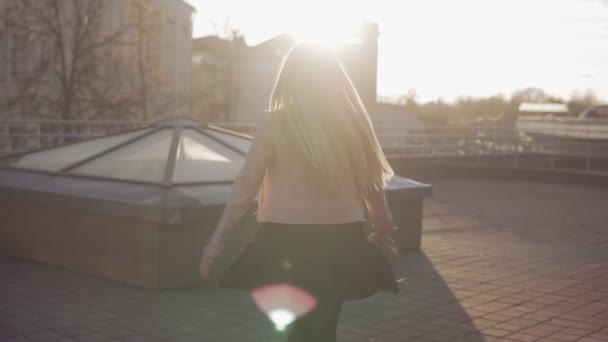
(169, 171)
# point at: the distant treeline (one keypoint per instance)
(469, 109)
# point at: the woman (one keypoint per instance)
(319, 165)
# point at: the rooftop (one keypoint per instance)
(543, 107)
(500, 261)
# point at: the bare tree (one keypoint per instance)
(215, 64)
(581, 101)
(83, 58)
(58, 48)
(149, 84)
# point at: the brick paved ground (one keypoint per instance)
(501, 261)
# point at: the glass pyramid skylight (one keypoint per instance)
(176, 151)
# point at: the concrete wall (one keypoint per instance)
(143, 254)
(108, 247)
(130, 251)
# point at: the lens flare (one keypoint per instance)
(287, 265)
(281, 318)
(283, 303)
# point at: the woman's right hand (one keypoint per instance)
(205, 266)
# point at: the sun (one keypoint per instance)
(325, 22)
(326, 35)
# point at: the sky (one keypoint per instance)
(446, 48)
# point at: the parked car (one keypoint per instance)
(598, 112)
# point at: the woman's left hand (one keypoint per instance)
(204, 268)
(385, 242)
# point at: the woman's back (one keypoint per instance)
(288, 197)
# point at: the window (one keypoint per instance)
(19, 58)
(171, 50)
(4, 56)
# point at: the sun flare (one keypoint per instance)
(324, 22)
(325, 33)
(477, 47)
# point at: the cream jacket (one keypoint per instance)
(285, 198)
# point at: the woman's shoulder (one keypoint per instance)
(262, 134)
(269, 115)
(268, 122)
(264, 123)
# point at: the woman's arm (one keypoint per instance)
(382, 224)
(244, 189)
(379, 211)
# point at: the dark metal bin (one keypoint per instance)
(405, 198)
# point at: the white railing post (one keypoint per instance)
(38, 136)
(88, 128)
(477, 144)
(7, 138)
(13, 142)
(62, 133)
(587, 152)
(516, 144)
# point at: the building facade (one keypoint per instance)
(132, 61)
(238, 79)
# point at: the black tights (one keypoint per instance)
(319, 325)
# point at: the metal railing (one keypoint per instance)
(581, 148)
(24, 135)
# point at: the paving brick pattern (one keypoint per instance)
(501, 261)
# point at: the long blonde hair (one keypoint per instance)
(320, 126)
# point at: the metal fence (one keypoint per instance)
(494, 146)
(580, 148)
(25, 135)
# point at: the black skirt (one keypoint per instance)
(326, 259)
